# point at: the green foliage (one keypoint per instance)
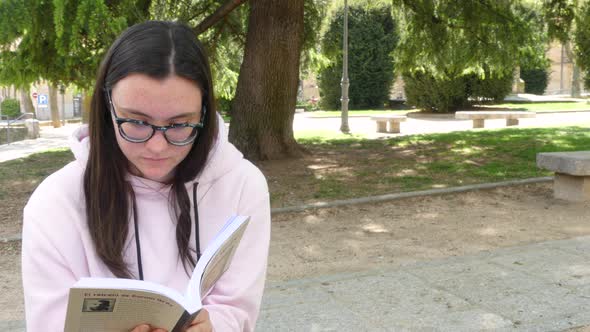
(10, 108)
(464, 51)
(312, 59)
(534, 64)
(84, 29)
(536, 80)
(61, 41)
(451, 38)
(225, 40)
(428, 92)
(533, 54)
(443, 95)
(559, 15)
(13, 13)
(224, 105)
(582, 42)
(372, 39)
(493, 88)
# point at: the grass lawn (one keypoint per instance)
(19, 177)
(344, 166)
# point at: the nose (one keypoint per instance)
(157, 143)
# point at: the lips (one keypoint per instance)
(154, 160)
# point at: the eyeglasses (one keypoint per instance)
(137, 131)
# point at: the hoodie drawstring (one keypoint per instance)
(137, 247)
(197, 237)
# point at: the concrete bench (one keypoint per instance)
(391, 121)
(479, 117)
(572, 174)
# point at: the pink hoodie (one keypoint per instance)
(57, 249)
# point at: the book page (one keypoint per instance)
(220, 261)
(216, 258)
(115, 310)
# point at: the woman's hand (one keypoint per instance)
(146, 328)
(202, 323)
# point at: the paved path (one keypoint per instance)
(51, 138)
(436, 124)
(538, 287)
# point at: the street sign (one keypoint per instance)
(42, 101)
(34, 95)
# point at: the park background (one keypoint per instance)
(509, 257)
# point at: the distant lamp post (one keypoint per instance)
(62, 91)
(345, 83)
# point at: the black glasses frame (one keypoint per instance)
(163, 129)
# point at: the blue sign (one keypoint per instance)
(42, 100)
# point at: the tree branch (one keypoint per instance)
(219, 14)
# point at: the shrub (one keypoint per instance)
(372, 39)
(535, 80)
(433, 94)
(492, 88)
(10, 108)
(224, 105)
(444, 95)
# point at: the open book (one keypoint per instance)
(113, 305)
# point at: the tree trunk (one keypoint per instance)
(26, 102)
(266, 95)
(53, 106)
(86, 101)
(576, 83)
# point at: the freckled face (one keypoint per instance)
(160, 103)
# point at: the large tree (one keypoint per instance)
(263, 109)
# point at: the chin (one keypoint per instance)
(156, 175)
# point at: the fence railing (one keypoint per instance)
(23, 116)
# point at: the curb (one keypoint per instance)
(381, 198)
(12, 238)
(391, 197)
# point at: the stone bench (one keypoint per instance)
(572, 174)
(479, 117)
(388, 123)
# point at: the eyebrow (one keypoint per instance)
(139, 113)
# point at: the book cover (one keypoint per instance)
(118, 305)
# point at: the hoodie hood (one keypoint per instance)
(222, 158)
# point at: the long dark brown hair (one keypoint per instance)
(157, 49)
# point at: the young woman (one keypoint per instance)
(153, 181)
